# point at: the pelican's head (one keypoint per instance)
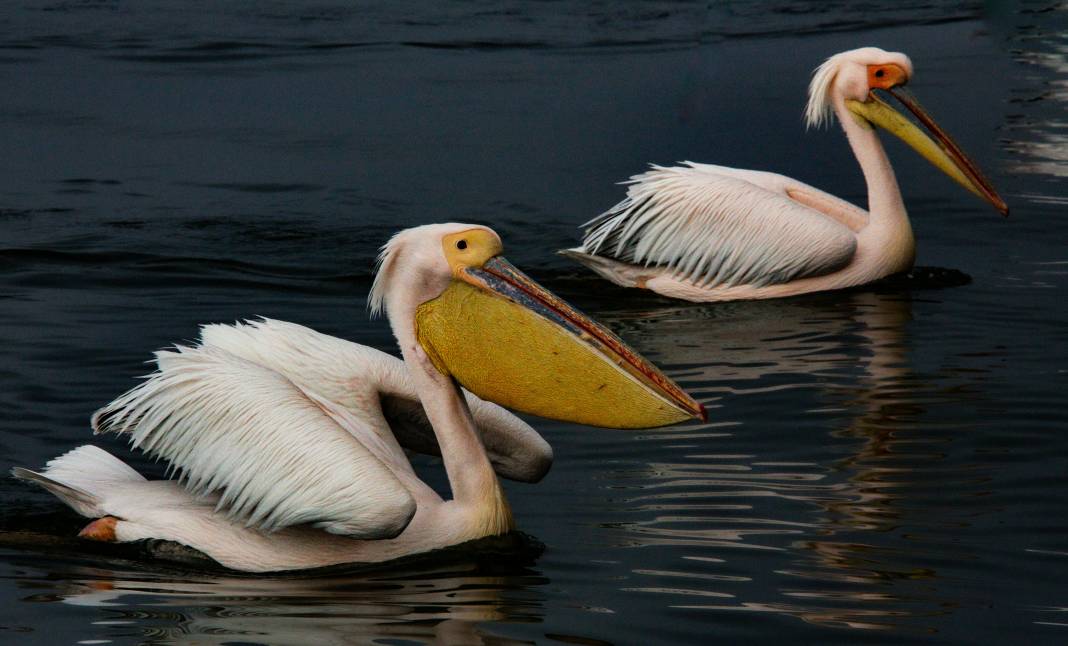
(853, 78)
(509, 340)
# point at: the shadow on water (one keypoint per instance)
(447, 597)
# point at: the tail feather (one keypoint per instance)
(619, 273)
(80, 478)
(80, 501)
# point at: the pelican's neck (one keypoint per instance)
(471, 475)
(888, 218)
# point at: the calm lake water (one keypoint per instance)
(881, 465)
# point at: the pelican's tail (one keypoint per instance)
(80, 478)
(622, 274)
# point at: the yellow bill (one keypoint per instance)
(940, 150)
(511, 341)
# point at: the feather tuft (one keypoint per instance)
(819, 111)
(384, 264)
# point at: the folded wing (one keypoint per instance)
(365, 380)
(715, 226)
(276, 454)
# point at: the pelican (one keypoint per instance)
(287, 461)
(711, 233)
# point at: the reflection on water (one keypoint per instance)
(446, 604)
(890, 458)
(815, 495)
(823, 519)
(1039, 132)
(798, 520)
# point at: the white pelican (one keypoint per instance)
(711, 233)
(286, 463)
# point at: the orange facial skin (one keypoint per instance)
(886, 76)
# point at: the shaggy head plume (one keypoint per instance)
(412, 256)
(387, 256)
(819, 110)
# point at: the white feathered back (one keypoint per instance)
(371, 383)
(711, 226)
(277, 455)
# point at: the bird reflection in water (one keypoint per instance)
(804, 529)
(428, 601)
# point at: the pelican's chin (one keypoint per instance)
(511, 341)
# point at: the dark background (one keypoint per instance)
(881, 465)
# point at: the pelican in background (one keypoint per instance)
(285, 463)
(712, 233)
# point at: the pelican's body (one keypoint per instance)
(712, 233)
(289, 442)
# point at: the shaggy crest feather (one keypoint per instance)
(423, 261)
(277, 455)
(713, 227)
(819, 111)
(376, 300)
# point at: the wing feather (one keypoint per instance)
(273, 454)
(713, 226)
(366, 382)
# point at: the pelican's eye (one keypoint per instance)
(470, 248)
(886, 76)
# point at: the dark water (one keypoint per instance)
(882, 465)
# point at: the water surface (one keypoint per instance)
(880, 465)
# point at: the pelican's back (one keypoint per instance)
(716, 226)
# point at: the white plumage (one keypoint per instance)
(82, 477)
(277, 432)
(711, 226)
(712, 233)
(289, 426)
(277, 455)
(378, 388)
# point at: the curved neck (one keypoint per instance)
(884, 197)
(887, 243)
(471, 475)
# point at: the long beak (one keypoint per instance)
(509, 340)
(941, 151)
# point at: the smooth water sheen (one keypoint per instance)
(881, 465)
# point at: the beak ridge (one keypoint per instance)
(937, 147)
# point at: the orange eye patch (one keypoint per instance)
(886, 76)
